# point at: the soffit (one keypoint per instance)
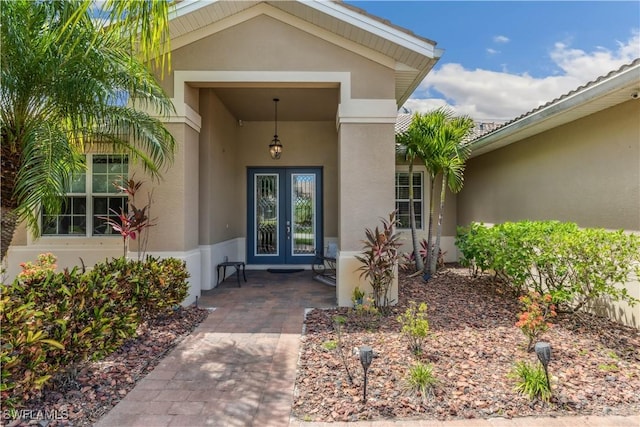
(412, 57)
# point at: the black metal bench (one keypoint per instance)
(324, 265)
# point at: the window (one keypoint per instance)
(402, 198)
(92, 195)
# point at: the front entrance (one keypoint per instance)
(284, 215)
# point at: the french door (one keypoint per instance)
(284, 215)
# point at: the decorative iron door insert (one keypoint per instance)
(284, 215)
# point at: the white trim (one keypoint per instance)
(291, 78)
(184, 114)
(374, 26)
(367, 111)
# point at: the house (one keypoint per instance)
(339, 76)
(325, 77)
(576, 158)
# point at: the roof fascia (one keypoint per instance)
(510, 133)
(373, 26)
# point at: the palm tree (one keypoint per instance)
(449, 157)
(69, 83)
(409, 146)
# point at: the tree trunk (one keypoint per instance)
(436, 249)
(412, 221)
(8, 223)
(432, 182)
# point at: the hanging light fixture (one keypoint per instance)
(275, 148)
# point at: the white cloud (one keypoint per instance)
(501, 39)
(499, 96)
(492, 51)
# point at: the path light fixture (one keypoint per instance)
(275, 148)
(543, 351)
(366, 356)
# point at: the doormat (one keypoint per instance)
(285, 270)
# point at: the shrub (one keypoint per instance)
(379, 259)
(154, 286)
(420, 379)
(576, 266)
(52, 321)
(24, 344)
(534, 319)
(415, 326)
(531, 380)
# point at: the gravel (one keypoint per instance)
(473, 344)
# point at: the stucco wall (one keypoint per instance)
(266, 44)
(587, 171)
(220, 199)
(305, 144)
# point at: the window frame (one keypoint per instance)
(90, 196)
(421, 190)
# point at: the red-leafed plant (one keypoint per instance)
(379, 259)
(534, 319)
(131, 223)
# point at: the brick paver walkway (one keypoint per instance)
(238, 367)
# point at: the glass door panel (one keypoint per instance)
(266, 214)
(303, 215)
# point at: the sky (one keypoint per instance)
(502, 59)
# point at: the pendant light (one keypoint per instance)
(275, 148)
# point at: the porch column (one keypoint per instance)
(366, 165)
(175, 202)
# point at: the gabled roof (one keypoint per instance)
(411, 57)
(604, 92)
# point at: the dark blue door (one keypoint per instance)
(284, 215)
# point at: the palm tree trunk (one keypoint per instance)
(436, 249)
(8, 223)
(412, 221)
(432, 183)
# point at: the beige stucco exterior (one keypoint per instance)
(586, 171)
(339, 93)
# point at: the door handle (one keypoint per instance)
(288, 230)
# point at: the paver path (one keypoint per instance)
(238, 367)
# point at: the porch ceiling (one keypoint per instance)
(296, 104)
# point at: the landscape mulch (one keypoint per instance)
(473, 345)
(82, 398)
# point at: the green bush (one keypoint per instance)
(576, 266)
(23, 351)
(531, 380)
(53, 321)
(415, 326)
(154, 286)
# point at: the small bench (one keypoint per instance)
(324, 265)
(238, 265)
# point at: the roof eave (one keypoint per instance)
(534, 123)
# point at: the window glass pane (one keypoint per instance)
(100, 183)
(99, 164)
(114, 204)
(49, 225)
(79, 183)
(402, 198)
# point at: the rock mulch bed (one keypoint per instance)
(473, 344)
(80, 400)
